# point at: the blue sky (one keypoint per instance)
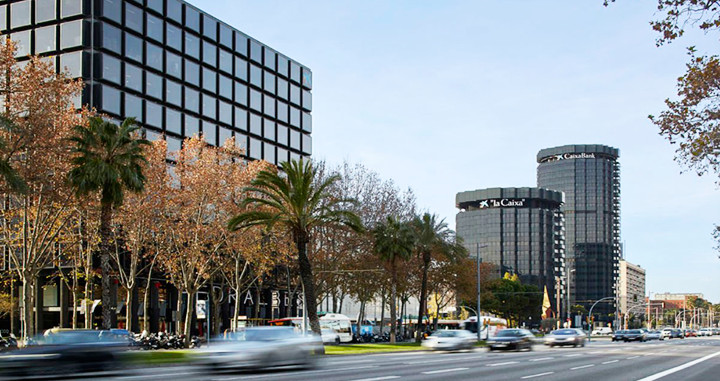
(451, 96)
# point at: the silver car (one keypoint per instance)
(263, 347)
(450, 340)
(567, 336)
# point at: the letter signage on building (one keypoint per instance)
(570, 156)
(502, 203)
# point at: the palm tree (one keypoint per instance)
(107, 159)
(298, 202)
(393, 242)
(431, 238)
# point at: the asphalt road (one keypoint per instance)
(689, 359)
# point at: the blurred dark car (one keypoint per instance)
(262, 347)
(567, 336)
(512, 338)
(62, 353)
(635, 335)
(618, 335)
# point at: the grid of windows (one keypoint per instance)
(592, 210)
(168, 55)
(527, 239)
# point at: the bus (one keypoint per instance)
(338, 322)
(490, 325)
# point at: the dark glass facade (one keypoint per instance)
(176, 69)
(520, 230)
(589, 175)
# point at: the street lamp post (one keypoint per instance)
(590, 314)
(570, 271)
(478, 260)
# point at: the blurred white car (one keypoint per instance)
(705, 332)
(262, 347)
(654, 335)
(602, 331)
(329, 336)
(450, 340)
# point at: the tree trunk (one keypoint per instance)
(88, 301)
(307, 279)
(189, 311)
(74, 299)
(180, 327)
(393, 311)
(423, 296)
(360, 318)
(105, 250)
(128, 308)
(382, 311)
(28, 326)
(236, 311)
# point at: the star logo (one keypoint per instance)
(484, 204)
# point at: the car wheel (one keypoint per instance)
(490, 349)
(337, 341)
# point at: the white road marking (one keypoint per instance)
(679, 368)
(610, 362)
(537, 375)
(543, 359)
(577, 354)
(378, 378)
(502, 363)
(582, 367)
(445, 370)
(446, 359)
(632, 357)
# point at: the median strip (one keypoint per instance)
(444, 370)
(538, 375)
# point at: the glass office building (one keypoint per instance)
(519, 230)
(589, 175)
(176, 69)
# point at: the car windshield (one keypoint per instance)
(445, 334)
(72, 337)
(264, 334)
(509, 333)
(564, 332)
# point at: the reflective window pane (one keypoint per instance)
(255, 124)
(241, 119)
(192, 100)
(71, 35)
(110, 38)
(226, 87)
(270, 59)
(20, 14)
(255, 100)
(282, 111)
(282, 88)
(191, 125)
(294, 139)
(241, 93)
(256, 75)
(306, 100)
(226, 61)
(133, 77)
(111, 100)
(282, 134)
(111, 69)
(307, 78)
(45, 39)
(3, 17)
(268, 152)
(70, 7)
(155, 28)
(192, 19)
(133, 17)
(241, 43)
(294, 116)
(72, 63)
(225, 112)
(153, 85)
(154, 114)
(23, 43)
(224, 135)
(255, 51)
(269, 109)
(209, 53)
(155, 5)
(306, 122)
(173, 121)
(283, 66)
(174, 37)
(269, 83)
(209, 106)
(255, 149)
(306, 144)
(268, 129)
(154, 56)
(192, 46)
(133, 108)
(209, 80)
(44, 10)
(192, 73)
(174, 10)
(295, 72)
(173, 65)
(209, 27)
(112, 9)
(226, 36)
(173, 93)
(133, 47)
(209, 132)
(241, 69)
(294, 94)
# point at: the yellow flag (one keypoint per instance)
(546, 305)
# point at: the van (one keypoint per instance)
(602, 331)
